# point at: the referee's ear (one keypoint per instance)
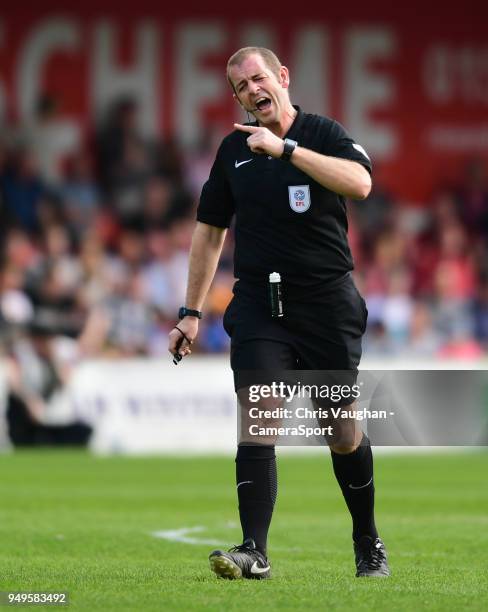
(284, 77)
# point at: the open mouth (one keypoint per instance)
(263, 103)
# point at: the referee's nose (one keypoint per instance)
(254, 88)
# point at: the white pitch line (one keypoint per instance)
(182, 536)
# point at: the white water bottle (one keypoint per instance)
(275, 295)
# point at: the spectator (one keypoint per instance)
(15, 306)
(473, 197)
(116, 131)
(22, 191)
(480, 315)
(128, 181)
(398, 307)
(80, 194)
(38, 366)
(423, 339)
(50, 137)
(122, 325)
(164, 277)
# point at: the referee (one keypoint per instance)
(285, 178)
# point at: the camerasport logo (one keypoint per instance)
(299, 196)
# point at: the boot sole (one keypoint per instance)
(225, 568)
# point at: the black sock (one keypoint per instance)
(354, 473)
(257, 487)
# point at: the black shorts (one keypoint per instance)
(320, 330)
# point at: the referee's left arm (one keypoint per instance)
(346, 177)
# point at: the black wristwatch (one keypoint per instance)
(289, 147)
(188, 312)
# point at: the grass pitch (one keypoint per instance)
(73, 522)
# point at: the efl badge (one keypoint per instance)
(299, 198)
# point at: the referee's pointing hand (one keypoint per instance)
(262, 140)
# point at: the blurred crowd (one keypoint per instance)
(424, 270)
(94, 250)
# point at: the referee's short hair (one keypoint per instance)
(270, 59)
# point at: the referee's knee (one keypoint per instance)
(347, 441)
(342, 448)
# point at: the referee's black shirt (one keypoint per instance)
(285, 221)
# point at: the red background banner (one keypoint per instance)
(411, 88)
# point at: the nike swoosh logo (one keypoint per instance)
(255, 569)
(246, 161)
(362, 486)
(245, 482)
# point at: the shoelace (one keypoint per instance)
(244, 548)
(375, 557)
(241, 548)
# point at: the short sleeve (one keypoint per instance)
(216, 206)
(339, 144)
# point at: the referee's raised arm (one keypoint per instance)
(206, 247)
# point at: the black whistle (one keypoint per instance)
(275, 295)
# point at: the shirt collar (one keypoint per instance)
(295, 127)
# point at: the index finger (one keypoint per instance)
(246, 128)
